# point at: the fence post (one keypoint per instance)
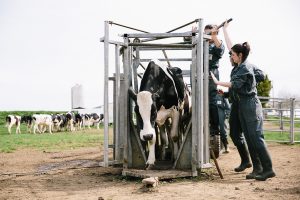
(292, 120)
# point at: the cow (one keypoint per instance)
(70, 119)
(93, 118)
(42, 122)
(59, 122)
(78, 121)
(27, 119)
(13, 120)
(159, 106)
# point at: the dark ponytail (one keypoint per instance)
(244, 49)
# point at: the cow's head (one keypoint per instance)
(146, 113)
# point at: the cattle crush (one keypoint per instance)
(130, 54)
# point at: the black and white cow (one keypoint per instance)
(94, 118)
(59, 122)
(27, 119)
(42, 122)
(70, 118)
(13, 120)
(160, 98)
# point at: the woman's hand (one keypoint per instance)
(214, 78)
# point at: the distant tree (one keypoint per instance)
(263, 89)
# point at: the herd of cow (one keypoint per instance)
(55, 122)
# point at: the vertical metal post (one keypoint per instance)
(206, 132)
(126, 158)
(106, 67)
(280, 117)
(199, 94)
(292, 121)
(116, 105)
(195, 121)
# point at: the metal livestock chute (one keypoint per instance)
(134, 51)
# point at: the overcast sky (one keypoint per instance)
(48, 46)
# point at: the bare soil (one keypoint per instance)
(75, 174)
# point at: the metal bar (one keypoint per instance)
(166, 57)
(189, 23)
(111, 22)
(194, 111)
(113, 42)
(199, 94)
(292, 123)
(175, 29)
(206, 132)
(156, 35)
(161, 45)
(162, 48)
(126, 156)
(171, 59)
(105, 96)
(117, 105)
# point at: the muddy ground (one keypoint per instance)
(74, 174)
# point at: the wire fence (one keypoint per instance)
(281, 119)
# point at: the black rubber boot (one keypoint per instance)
(226, 145)
(245, 161)
(257, 167)
(266, 164)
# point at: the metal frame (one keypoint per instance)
(291, 108)
(127, 146)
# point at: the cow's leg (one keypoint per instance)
(9, 128)
(34, 128)
(164, 141)
(151, 157)
(18, 130)
(174, 131)
(50, 131)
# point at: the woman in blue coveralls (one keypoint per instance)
(243, 84)
(236, 132)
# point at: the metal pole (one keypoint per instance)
(292, 121)
(206, 132)
(106, 67)
(117, 104)
(194, 161)
(199, 94)
(126, 155)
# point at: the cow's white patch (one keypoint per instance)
(144, 101)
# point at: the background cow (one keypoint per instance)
(27, 119)
(91, 119)
(42, 122)
(13, 120)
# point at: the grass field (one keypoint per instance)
(49, 142)
(84, 138)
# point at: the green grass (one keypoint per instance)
(49, 142)
(284, 136)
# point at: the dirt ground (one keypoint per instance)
(74, 174)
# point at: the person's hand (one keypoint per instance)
(221, 92)
(214, 78)
(214, 32)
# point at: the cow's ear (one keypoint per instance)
(132, 94)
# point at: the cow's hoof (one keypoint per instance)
(150, 167)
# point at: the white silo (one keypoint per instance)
(77, 96)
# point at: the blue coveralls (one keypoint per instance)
(250, 114)
(223, 111)
(215, 54)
